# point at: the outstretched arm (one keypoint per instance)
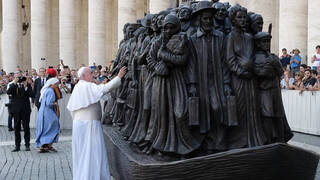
(115, 82)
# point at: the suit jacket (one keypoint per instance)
(20, 97)
(36, 91)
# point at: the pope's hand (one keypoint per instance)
(122, 72)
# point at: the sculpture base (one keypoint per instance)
(274, 161)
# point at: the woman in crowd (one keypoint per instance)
(48, 127)
(298, 85)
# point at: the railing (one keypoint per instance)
(302, 110)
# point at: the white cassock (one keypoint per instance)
(90, 161)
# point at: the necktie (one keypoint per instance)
(42, 83)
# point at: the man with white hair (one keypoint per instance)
(89, 155)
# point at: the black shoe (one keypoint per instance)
(16, 149)
(11, 129)
(27, 148)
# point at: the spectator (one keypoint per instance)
(303, 67)
(94, 67)
(295, 61)
(285, 58)
(21, 91)
(99, 67)
(38, 84)
(318, 82)
(3, 88)
(64, 86)
(103, 75)
(287, 81)
(18, 69)
(315, 59)
(74, 79)
(314, 73)
(298, 84)
(309, 82)
(34, 74)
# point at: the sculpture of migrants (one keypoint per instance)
(201, 81)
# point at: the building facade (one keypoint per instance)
(88, 31)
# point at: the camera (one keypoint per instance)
(22, 79)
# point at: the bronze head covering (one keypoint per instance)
(172, 19)
(202, 6)
(254, 17)
(147, 20)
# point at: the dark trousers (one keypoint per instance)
(24, 118)
(10, 121)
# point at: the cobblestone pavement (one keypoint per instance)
(58, 166)
(32, 165)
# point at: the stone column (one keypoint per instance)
(67, 18)
(157, 6)
(109, 31)
(10, 35)
(126, 14)
(39, 33)
(313, 28)
(270, 13)
(293, 26)
(97, 33)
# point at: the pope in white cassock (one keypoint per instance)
(89, 154)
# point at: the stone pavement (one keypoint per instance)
(32, 165)
(58, 166)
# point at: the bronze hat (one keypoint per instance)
(202, 6)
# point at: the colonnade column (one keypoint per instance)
(126, 14)
(157, 6)
(39, 33)
(313, 28)
(293, 26)
(97, 33)
(67, 43)
(109, 31)
(10, 35)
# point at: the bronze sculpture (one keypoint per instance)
(186, 80)
(201, 81)
(208, 79)
(268, 68)
(221, 20)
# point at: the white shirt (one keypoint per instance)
(317, 60)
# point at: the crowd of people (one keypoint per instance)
(27, 89)
(299, 76)
(66, 75)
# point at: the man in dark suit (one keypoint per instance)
(21, 92)
(38, 84)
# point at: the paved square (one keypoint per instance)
(58, 166)
(33, 165)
